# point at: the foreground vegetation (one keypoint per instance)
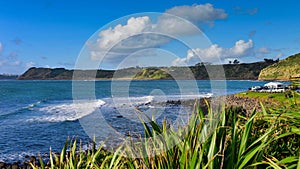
(266, 139)
(287, 101)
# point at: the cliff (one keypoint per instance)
(287, 69)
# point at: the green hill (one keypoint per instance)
(244, 71)
(287, 69)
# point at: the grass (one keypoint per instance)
(266, 139)
(286, 100)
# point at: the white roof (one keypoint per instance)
(273, 84)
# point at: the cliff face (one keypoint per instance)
(232, 71)
(287, 69)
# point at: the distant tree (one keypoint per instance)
(236, 61)
(230, 62)
(199, 64)
(203, 64)
(271, 60)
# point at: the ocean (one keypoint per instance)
(37, 115)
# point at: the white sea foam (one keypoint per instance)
(182, 97)
(134, 101)
(68, 111)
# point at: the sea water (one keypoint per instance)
(37, 115)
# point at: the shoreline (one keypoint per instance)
(230, 100)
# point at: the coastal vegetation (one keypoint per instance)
(287, 69)
(287, 99)
(249, 71)
(263, 139)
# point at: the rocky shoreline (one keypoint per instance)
(248, 104)
(20, 165)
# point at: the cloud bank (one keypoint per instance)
(145, 32)
(198, 13)
(215, 53)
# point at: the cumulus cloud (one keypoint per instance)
(215, 53)
(174, 25)
(138, 33)
(198, 13)
(241, 48)
(110, 36)
(142, 32)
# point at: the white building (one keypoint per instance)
(275, 87)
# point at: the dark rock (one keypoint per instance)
(15, 166)
(178, 102)
(8, 166)
(2, 165)
(26, 165)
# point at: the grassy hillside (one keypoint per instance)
(287, 69)
(199, 71)
(242, 71)
(153, 73)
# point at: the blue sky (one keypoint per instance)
(51, 33)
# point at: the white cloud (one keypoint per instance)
(215, 53)
(109, 37)
(174, 25)
(263, 50)
(198, 13)
(115, 43)
(241, 48)
(138, 33)
(166, 23)
(29, 64)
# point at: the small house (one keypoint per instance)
(276, 87)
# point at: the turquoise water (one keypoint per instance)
(35, 115)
